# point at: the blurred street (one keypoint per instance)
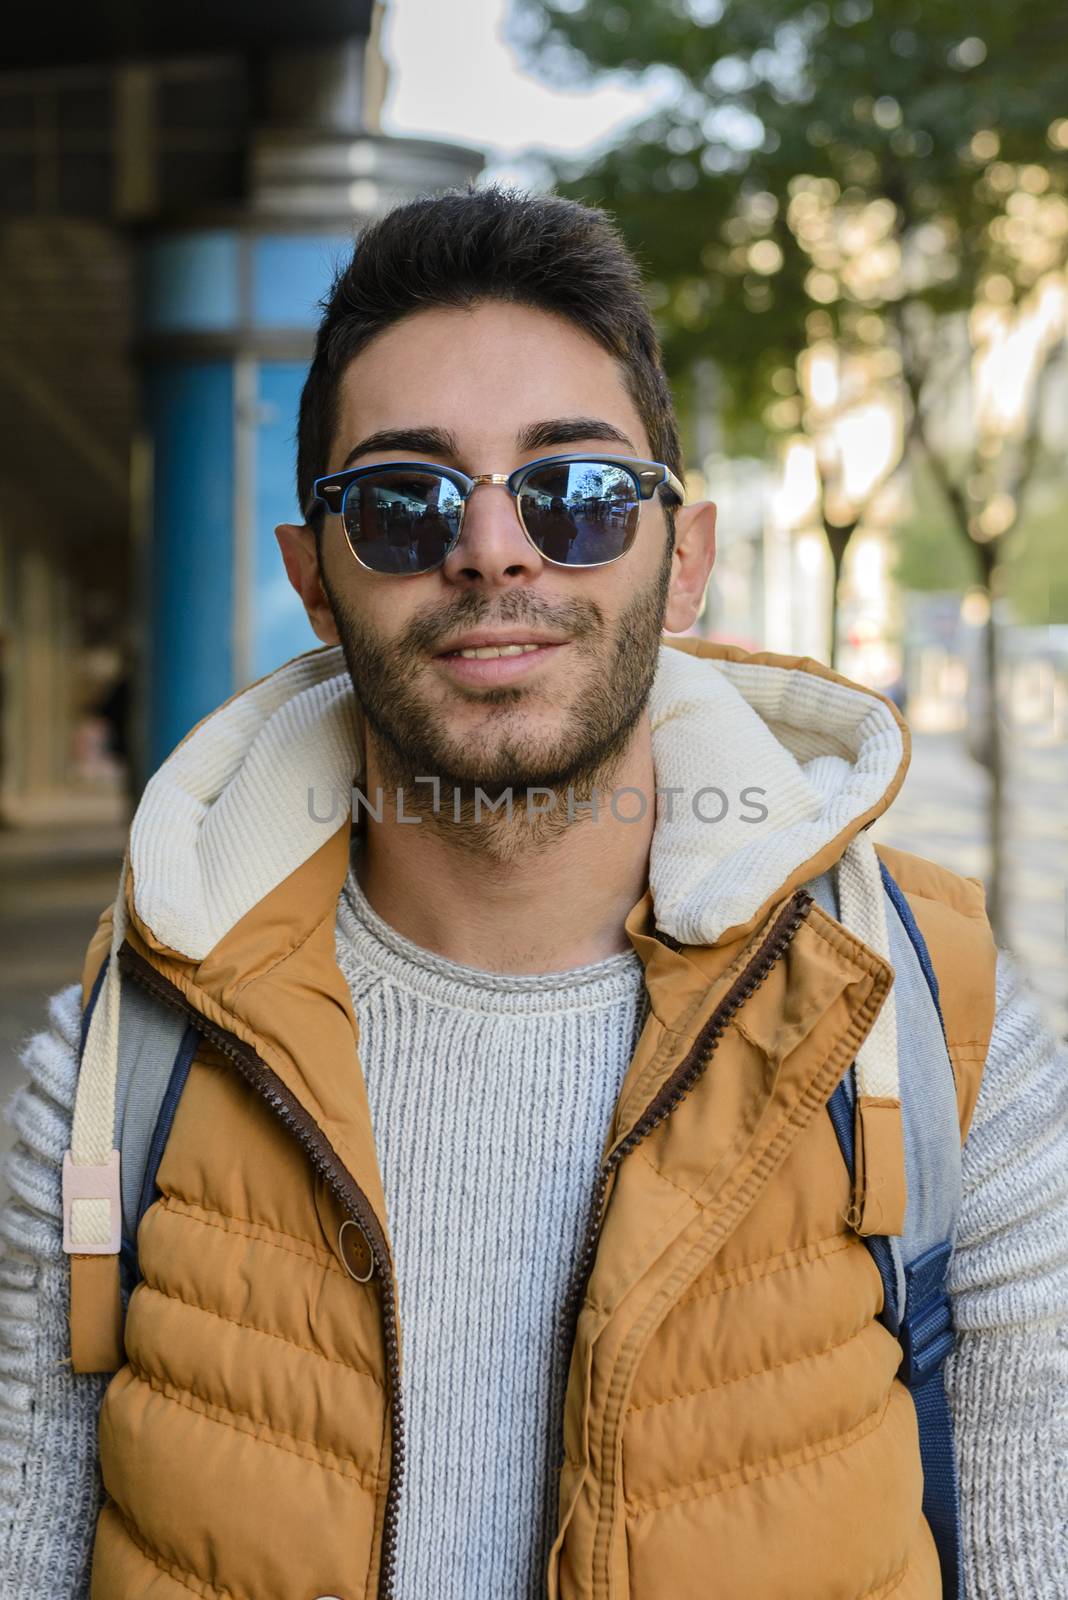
(55, 883)
(940, 813)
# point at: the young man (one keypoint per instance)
(494, 1238)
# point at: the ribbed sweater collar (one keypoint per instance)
(370, 948)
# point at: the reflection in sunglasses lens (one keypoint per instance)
(580, 513)
(401, 521)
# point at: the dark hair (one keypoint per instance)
(462, 246)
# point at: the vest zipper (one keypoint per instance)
(256, 1072)
(675, 1089)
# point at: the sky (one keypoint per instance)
(454, 75)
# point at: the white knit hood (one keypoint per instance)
(249, 796)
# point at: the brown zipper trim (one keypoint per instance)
(306, 1130)
(675, 1089)
(771, 949)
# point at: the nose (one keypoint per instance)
(493, 549)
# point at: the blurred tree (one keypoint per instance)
(877, 187)
(1035, 564)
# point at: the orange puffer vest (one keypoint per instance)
(733, 1424)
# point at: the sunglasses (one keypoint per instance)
(577, 511)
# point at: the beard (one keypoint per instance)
(615, 665)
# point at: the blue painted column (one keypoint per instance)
(227, 326)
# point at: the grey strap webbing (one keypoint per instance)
(928, 1097)
(150, 1035)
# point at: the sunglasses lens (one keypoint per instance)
(580, 513)
(401, 521)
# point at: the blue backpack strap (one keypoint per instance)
(926, 1331)
(156, 1048)
(150, 1191)
(916, 1305)
(94, 996)
(916, 939)
(926, 1340)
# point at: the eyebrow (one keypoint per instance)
(431, 441)
(570, 430)
(418, 441)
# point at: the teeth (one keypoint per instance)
(488, 652)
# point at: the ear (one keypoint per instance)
(691, 563)
(297, 544)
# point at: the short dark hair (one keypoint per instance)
(462, 246)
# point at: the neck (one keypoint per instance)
(521, 896)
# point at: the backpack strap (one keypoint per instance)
(950, 912)
(916, 1305)
(933, 1168)
(155, 1050)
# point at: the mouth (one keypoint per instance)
(483, 660)
(508, 642)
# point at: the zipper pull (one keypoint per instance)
(355, 1252)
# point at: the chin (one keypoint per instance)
(490, 764)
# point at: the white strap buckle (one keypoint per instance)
(92, 1207)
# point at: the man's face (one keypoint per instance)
(486, 390)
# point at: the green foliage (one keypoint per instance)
(879, 100)
(928, 554)
(1035, 561)
(1037, 557)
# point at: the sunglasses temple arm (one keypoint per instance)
(675, 485)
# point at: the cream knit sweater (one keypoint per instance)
(490, 1099)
